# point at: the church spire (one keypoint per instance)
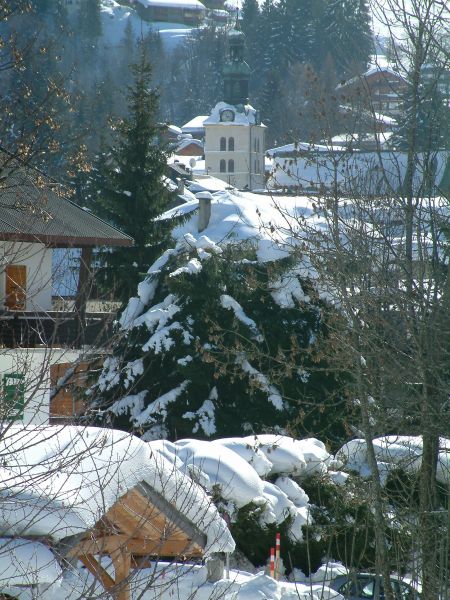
(236, 72)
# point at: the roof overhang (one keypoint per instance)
(55, 241)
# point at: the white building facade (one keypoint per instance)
(234, 146)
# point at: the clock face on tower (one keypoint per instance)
(227, 115)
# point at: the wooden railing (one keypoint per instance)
(22, 329)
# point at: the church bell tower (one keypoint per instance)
(236, 72)
(234, 134)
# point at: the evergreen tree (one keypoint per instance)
(432, 118)
(128, 188)
(214, 354)
(203, 58)
(89, 20)
(348, 36)
(249, 26)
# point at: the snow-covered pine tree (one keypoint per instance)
(128, 186)
(219, 344)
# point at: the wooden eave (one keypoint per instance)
(59, 241)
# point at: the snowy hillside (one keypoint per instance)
(115, 18)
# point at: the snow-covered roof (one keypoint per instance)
(174, 129)
(382, 69)
(368, 172)
(186, 4)
(371, 115)
(202, 183)
(58, 481)
(187, 142)
(298, 147)
(378, 68)
(238, 216)
(248, 116)
(194, 124)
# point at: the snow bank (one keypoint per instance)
(394, 452)
(78, 473)
(238, 466)
(251, 454)
(285, 457)
(24, 562)
(237, 479)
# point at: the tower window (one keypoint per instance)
(231, 144)
(223, 144)
(223, 165)
(230, 166)
(257, 145)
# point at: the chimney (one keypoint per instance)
(180, 185)
(204, 209)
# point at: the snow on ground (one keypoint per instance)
(189, 582)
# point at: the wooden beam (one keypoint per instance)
(94, 567)
(174, 516)
(122, 563)
(135, 516)
(137, 546)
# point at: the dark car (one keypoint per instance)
(366, 586)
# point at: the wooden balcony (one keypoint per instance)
(23, 329)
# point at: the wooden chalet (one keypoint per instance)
(37, 217)
(379, 89)
(189, 12)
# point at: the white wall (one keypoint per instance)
(248, 160)
(35, 363)
(38, 261)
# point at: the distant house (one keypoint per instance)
(189, 12)
(190, 147)
(316, 168)
(36, 218)
(196, 127)
(380, 89)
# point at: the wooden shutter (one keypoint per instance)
(16, 287)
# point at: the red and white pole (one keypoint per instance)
(277, 557)
(272, 562)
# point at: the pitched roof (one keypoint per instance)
(33, 208)
(66, 478)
